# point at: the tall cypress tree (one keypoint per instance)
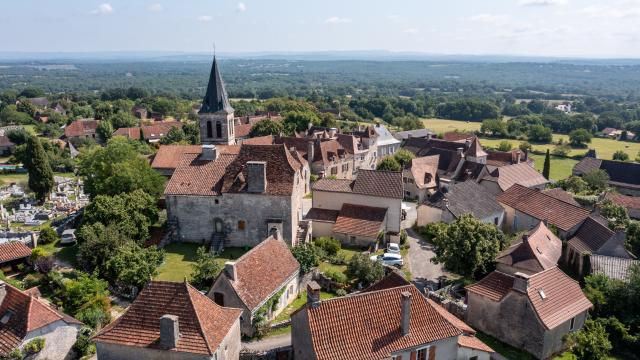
(40, 173)
(547, 166)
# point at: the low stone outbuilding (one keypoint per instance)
(170, 321)
(13, 253)
(532, 313)
(261, 283)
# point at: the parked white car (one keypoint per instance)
(393, 248)
(389, 259)
(68, 237)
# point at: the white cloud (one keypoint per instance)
(103, 9)
(337, 20)
(490, 18)
(157, 7)
(612, 11)
(203, 18)
(542, 2)
(241, 7)
(410, 31)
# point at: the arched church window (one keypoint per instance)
(209, 130)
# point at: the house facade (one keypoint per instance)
(356, 211)
(170, 321)
(236, 199)
(261, 283)
(420, 179)
(81, 130)
(535, 312)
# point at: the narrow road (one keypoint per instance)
(268, 343)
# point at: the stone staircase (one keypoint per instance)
(218, 242)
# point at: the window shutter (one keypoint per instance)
(432, 352)
(413, 355)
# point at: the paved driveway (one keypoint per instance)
(423, 271)
(268, 343)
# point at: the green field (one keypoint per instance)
(604, 147)
(180, 257)
(560, 167)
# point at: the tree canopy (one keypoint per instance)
(40, 174)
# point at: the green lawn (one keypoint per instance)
(560, 167)
(181, 256)
(503, 349)
(24, 178)
(347, 253)
(66, 253)
(298, 303)
(440, 126)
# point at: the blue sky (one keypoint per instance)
(509, 27)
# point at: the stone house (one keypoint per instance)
(595, 238)
(171, 320)
(631, 203)
(24, 317)
(623, 176)
(389, 323)
(386, 143)
(420, 178)
(356, 211)
(236, 199)
(332, 155)
(538, 250)
(525, 208)
(80, 130)
(502, 178)
(140, 112)
(261, 282)
(12, 254)
(613, 267)
(529, 312)
(166, 160)
(461, 198)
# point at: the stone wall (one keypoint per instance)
(226, 126)
(231, 299)
(108, 351)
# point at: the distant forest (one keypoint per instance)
(264, 79)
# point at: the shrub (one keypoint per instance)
(37, 252)
(307, 256)
(48, 235)
(365, 271)
(95, 317)
(561, 150)
(32, 280)
(83, 345)
(330, 245)
(341, 292)
(620, 156)
(34, 346)
(44, 264)
(15, 354)
(336, 276)
(403, 237)
(505, 145)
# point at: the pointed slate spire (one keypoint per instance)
(216, 98)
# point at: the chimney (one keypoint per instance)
(3, 291)
(521, 282)
(467, 144)
(169, 331)
(310, 151)
(429, 136)
(313, 294)
(209, 152)
(406, 312)
(460, 151)
(518, 156)
(525, 238)
(230, 269)
(257, 176)
(332, 132)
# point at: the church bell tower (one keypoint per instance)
(216, 113)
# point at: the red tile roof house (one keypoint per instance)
(152, 133)
(170, 321)
(530, 312)
(356, 211)
(266, 274)
(168, 157)
(81, 129)
(502, 178)
(236, 199)
(396, 323)
(631, 203)
(23, 317)
(525, 208)
(13, 253)
(420, 178)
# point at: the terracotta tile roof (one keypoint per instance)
(540, 251)
(613, 267)
(446, 150)
(150, 132)
(543, 207)
(360, 220)
(493, 286)
(629, 202)
(325, 150)
(262, 271)
(591, 236)
(168, 156)
(392, 280)
(452, 318)
(456, 136)
(473, 342)
(27, 314)
(368, 325)
(422, 166)
(503, 158)
(259, 140)
(563, 298)
(198, 177)
(281, 168)
(13, 251)
(322, 215)
(561, 195)
(203, 324)
(522, 174)
(475, 149)
(81, 127)
(242, 130)
(333, 185)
